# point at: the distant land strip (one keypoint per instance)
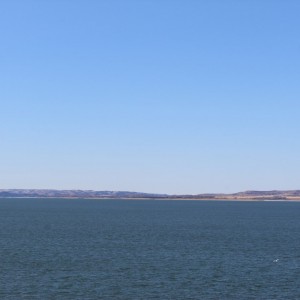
(91, 194)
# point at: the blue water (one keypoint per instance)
(116, 249)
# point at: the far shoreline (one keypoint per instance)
(166, 199)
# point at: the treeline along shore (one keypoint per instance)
(91, 194)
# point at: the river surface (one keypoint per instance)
(123, 249)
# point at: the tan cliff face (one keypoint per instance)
(48, 193)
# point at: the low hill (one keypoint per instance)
(49, 193)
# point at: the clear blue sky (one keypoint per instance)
(150, 95)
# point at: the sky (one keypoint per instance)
(161, 96)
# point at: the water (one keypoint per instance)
(116, 249)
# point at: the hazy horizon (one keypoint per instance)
(146, 192)
(150, 96)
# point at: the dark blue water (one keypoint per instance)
(109, 249)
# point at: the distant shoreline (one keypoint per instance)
(161, 199)
(273, 195)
